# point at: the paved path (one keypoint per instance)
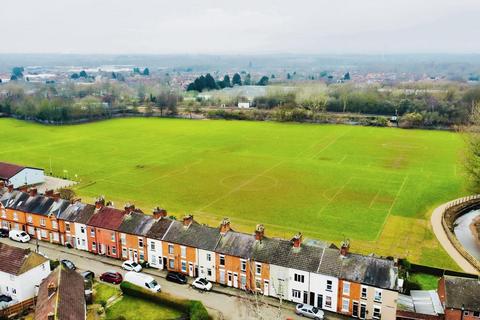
(225, 302)
(436, 221)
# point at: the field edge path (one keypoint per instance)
(436, 223)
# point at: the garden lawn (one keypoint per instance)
(375, 186)
(138, 309)
(103, 292)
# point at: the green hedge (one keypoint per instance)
(193, 308)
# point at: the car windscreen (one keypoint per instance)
(23, 234)
(152, 284)
(134, 264)
(315, 310)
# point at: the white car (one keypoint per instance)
(305, 310)
(131, 265)
(202, 284)
(19, 235)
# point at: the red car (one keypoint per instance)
(111, 277)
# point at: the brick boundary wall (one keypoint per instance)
(452, 211)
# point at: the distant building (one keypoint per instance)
(460, 297)
(21, 271)
(244, 105)
(20, 175)
(61, 296)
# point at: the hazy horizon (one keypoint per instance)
(318, 27)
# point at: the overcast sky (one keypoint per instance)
(242, 26)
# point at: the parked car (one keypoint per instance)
(131, 265)
(176, 277)
(305, 310)
(68, 264)
(88, 275)
(19, 235)
(4, 233)
(111, 277)
(142, 280)
(4, 298)
(202, 284)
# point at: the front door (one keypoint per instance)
(190, 269)
(135, 255)
(39, 234)
(130, 254)
(319, 301)
(312, 298)
(222, 276)
(305, 297)
(355, 309)
(363, 311)
(164, 266)
(265, 288)
(235, 280)
(229, 282)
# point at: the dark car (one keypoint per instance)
(68, 264)
(176, 277)
(4, 298)
(111, 277)
(4, 233)
(88, 275)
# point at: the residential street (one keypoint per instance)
(222, 301)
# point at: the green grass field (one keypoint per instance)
(375, 186)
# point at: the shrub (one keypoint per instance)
(54, 264)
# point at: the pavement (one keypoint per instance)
(53, 183)
(436, 221)
(222, 302)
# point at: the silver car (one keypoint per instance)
(305, 310)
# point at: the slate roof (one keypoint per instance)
(370, 270)
(136, 223)
(236, 244)
(159, 228)
(306, 257)
(14, 260)
(12, 199)
(78, 212)
(68, 301)
(107, 218)
(196, 235)
(40, 204)
(462, 291)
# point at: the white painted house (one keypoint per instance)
(75, 217)
(154, 236)
(21, 272)
(19, 175)
(206, 264)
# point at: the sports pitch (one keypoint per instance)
(375, 186)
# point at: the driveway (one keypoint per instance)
(227, 303)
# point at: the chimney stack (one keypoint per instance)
(297, 240)
(51, 289)
(100, 203)
(345, 248)
(33, 192)
(187, 220)
(56, 196)
(259, 232)
(159, 213)
(129, 208)
(49, 193)
(2, 184)
(23, 188)
(10, 188)
(225, 226)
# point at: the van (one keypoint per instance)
(142, 280)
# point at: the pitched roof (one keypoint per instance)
(462, 291)
(236, 244)
(159, 228)
(12, 199)
(195, 235)
(107, 218)
(16, 261)
(68, 300)
(136, 223)
(78, 212)
(306, 257)
(8, 170)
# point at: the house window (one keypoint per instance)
(170, 248)
(67, 226)
(124, 253)
(142, 256)
(42, 222)
(15, 216)
(209, 272)
(328, 302)
(112, 236)
(183, 251)
(209, 257)
(92, 232)
(43, 233)
(184, 266)
(82, 229)
(123, 239)
(222, 260)
(54, 224)
(378, 295)
(114, 250)
(345, 304)
(329, 285)
(94, 246)
(376, 313)
(364, 293)
(258, 268)
(171, 263)
(466, 313)
(243, 281)
(140, 242)
(243, 265)
(152, 245)
(296, 294)
(29, 219)
(476, 314)
(299, 278)
(346, 288)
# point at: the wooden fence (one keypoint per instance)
(17, 308)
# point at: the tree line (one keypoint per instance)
(207, 82)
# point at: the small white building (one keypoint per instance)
(244, 105)
(19, 176)
(21, 272)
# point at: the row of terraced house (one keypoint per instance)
(311, 272)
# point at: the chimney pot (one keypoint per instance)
(10, 187)
(23, 188)
(345, 248)
(297, 240)
(187, 220)
(100, 202)
(259, 232)
(2, 184)
(49, 193)
(159, 213)
(225, 226)
(33, 192)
